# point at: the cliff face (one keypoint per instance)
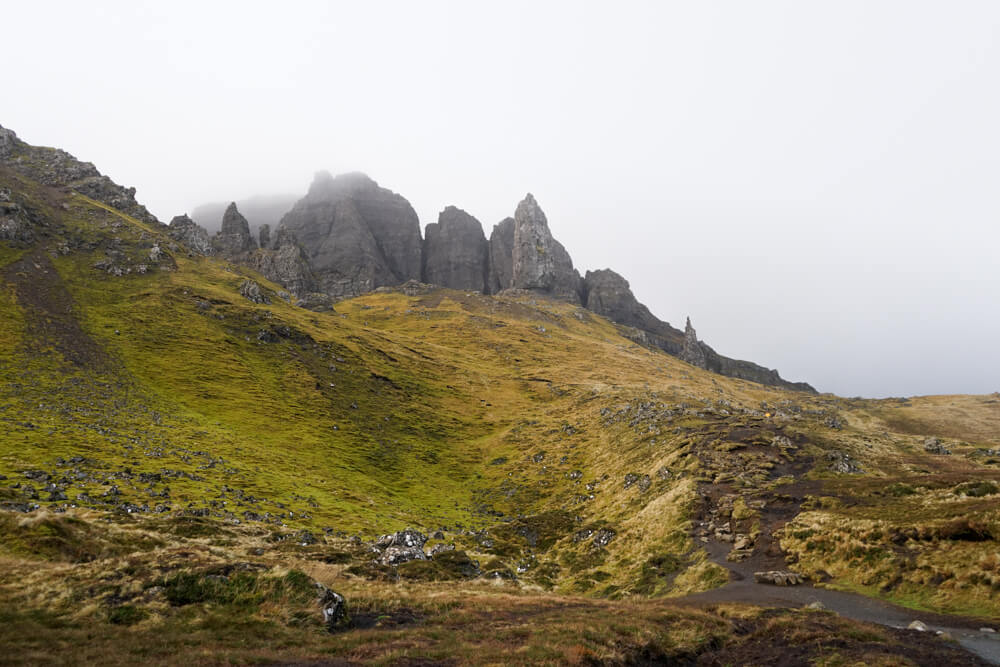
(501, 272)
(539, 262)
(349, 236)
(456, 253)
(187, 231)
(356, 235)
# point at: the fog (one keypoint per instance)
(815, 184)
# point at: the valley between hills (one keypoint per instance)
(221, 450)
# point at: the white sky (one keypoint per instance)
(815, 183)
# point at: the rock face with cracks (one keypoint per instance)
(234, 241)
(539, 262)
(185, 230)
(456, 254)
(357, 236)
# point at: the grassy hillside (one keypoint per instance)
(155, 422)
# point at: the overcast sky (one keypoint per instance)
(817, 184)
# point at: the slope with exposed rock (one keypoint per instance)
(181, 444)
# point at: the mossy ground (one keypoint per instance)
(176, 416)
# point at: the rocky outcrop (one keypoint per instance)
(185, 230)
(234, 241)
(264, 236)
(456, 254)
(258, 210)
(540, 263)
(608, 294)
(57, 168)
(357, 235)
(699, 354)
(285, 264)
(693, 351)
(501, 269)
(400, 547)
(251, 291)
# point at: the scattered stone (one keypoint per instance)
(934, 446)
(603, 537)
(440, 548)
(988, 630)
(778, 578)
(918, 626)
(252, 292)
(843, 463)
(305, 538)
(401, 547)
(816, 605)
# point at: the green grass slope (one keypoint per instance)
(154, 420)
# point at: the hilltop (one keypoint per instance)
(188, 447)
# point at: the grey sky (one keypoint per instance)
(815, 183)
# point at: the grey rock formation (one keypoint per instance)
(397, 548)
(699, 354)
(252, 292)
(693, 351)
(234, 241)
(18, 223)
(8, 142)
(357, 235)
(608, 294)
(540, 263)
(57, 168)
(456, 253)
(286, 264)
(185, 230)
(264, 236)
(333, 607)
(501, 271)
(933, 446)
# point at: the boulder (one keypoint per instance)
(333, 608)
(843, 463)
(456, 254)
(934, 446)
(252, 292)
(779, 578)
(401, 547)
